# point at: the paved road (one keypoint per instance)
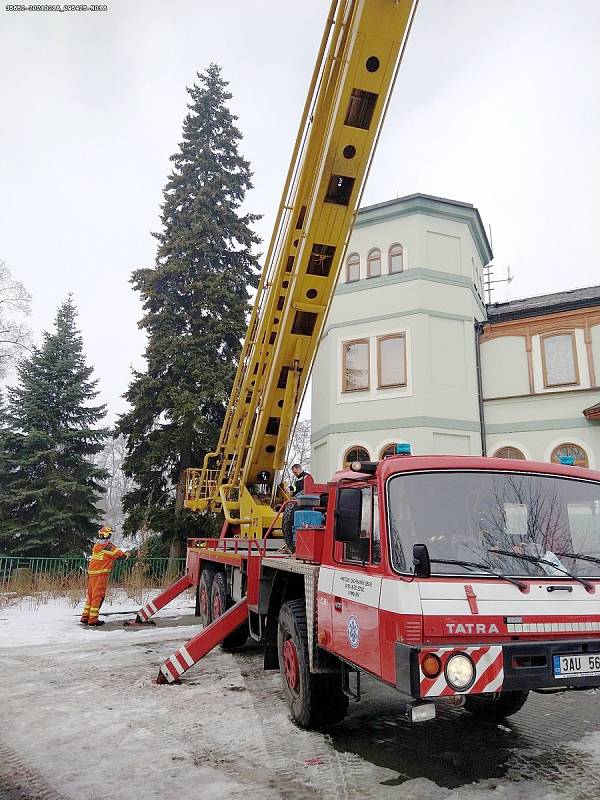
(225, 733)
(457, 749)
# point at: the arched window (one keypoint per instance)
(578, 453)
(353, 268)
(388, 450)
(509, 452)
(355, 453)
(374, 263)
(396, 258)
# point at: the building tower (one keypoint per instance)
(398, 360)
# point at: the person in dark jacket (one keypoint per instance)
(300, 475)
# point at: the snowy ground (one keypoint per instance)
(82, 719)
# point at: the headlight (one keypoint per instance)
(460, 672)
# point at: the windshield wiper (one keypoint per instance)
(534, 560)
(579, 556)
(476, 565)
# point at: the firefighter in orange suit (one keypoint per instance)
(104, 555)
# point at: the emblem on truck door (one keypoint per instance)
(353, 632)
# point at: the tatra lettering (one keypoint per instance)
(471, 627)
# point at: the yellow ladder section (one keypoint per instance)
(358, 59)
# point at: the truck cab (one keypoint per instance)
(471, 578)
(458, 579)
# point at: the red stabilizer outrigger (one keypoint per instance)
(203, 643)
(230, 551)
(152, 606)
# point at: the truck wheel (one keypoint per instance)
(207, 577)
(315, 700)
(498, 706)
(287, 523)
(220, 602)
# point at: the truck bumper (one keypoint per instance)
(525, 665)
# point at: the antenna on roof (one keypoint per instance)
(509, 277)
(488, 282)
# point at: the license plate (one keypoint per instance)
(578, 665)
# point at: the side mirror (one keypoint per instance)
(348, 515)
(421, 561)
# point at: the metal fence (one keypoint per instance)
(155, 570)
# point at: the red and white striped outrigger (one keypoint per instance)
(191, 652)
(151, 607)
(231, 551)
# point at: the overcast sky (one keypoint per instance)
(497, 104)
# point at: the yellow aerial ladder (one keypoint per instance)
(357, 63)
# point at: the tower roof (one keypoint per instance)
(455, 210)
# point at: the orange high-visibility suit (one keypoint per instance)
(104, 555)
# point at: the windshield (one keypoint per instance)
(470, 516)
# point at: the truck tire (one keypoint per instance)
(220, 602)
(498, 706)
(315, 700)
(287, 524)
(205, 585)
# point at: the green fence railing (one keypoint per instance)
(154, 569)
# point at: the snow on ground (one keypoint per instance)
(81, 718)
(39, 621)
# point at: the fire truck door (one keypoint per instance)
(356, 590)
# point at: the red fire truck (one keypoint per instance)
(464, 578)
(470, 579)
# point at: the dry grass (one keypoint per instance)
(37, 589)
(7, 598)
(140, 584)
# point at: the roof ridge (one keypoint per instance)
(414, 196)
(558, 294)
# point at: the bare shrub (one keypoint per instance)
(138, 584)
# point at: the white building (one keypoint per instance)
(398, 361)
(540, 362)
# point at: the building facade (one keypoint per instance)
(540, 362)
(411, 353)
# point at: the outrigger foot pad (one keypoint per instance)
(162, 681)
(137, 622)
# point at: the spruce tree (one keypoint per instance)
(51, 487)
(5, 435)
(195, 302)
